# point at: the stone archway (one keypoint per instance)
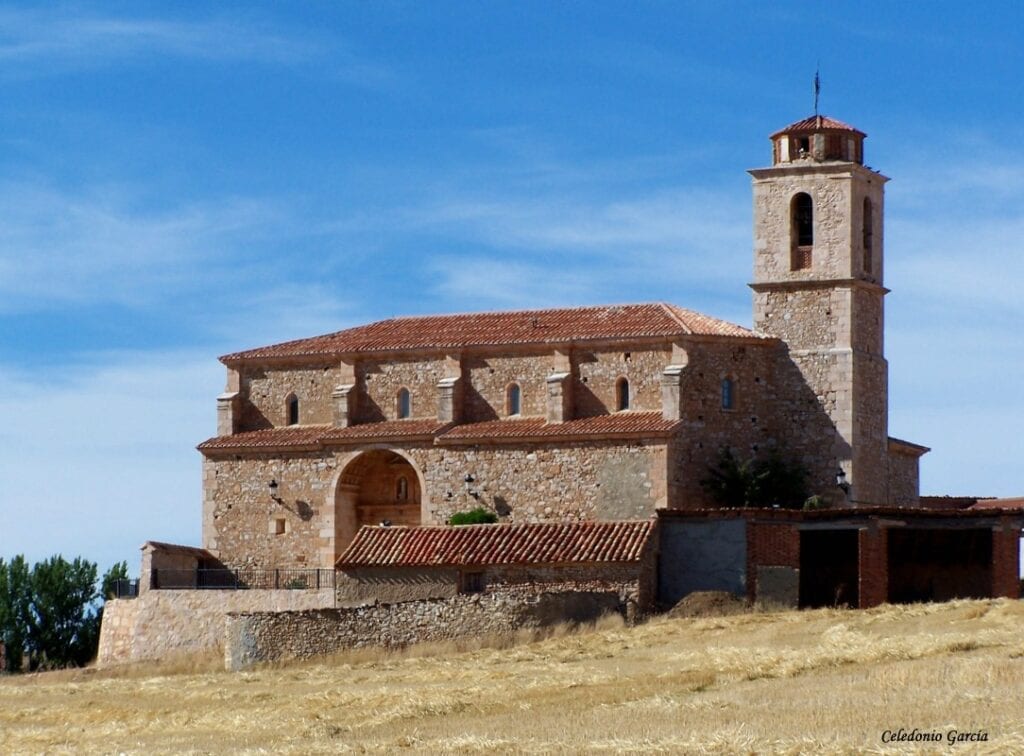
(377, 486)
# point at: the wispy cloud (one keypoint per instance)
(63, 34)
(94, 246)
(43, 41)
(108, 454)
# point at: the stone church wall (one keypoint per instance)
(592, 480)
(489, 377)
(598, 371)
(379, 382)
(264, 390)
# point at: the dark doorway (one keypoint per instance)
(939, 565)
(828, 568)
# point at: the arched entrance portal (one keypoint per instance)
(375, 487)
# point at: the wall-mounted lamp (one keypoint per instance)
(841, 481)
(272, 485)
(469, 478)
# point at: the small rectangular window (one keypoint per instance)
(471, 582)
(278, 526)
(727, 394)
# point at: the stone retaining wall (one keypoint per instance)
(253, 637)
(159, 624)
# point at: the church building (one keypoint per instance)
(581, 414)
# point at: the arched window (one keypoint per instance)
(622, 394)
(728, 393)
(292, 409)
(869, 233)
(513, 399)
(402, 489)
(802, 210)
(404, 404)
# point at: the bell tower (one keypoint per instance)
(818, 267)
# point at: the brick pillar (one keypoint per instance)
(873, 565)
(1005, 560)
(771, 545)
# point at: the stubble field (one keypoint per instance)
(825, 681)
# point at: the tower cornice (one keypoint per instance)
(802, 168)
(817, 283)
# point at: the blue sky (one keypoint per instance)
(178, 183)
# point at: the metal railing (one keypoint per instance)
(241, 579)
(124, 588)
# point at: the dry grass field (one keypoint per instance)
(824, 681)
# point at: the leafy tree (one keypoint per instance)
(769, 482)
(48, 615)
(476, 516)
(119, 571)
(65, 630)
(15, 610)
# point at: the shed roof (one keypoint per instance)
(525, 543)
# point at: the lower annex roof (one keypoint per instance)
(523, 543)
(310, 437)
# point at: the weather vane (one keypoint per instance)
(817, 88)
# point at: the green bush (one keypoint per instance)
(476, 516)
(766, 482)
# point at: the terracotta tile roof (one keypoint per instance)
(817, 123)
(294, 436)
(303, 437)
(1015, 503)
(385, 430)
(528, 543)
(620, 423)
(315, 436)
(504, 329)
(174, 548)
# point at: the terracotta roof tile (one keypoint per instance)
(620, 423)
(1013, 504)
(817, 123)
(385, 430)
(271, 438)
(315, 436)
(504, 329)
(528, 543)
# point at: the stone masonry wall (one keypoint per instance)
(594, 480)
(904, 483)
(552, 482)
(391, 585)
(751, 427)
(597, 372)
(379, 382)
(489, 377)
(837, 193)
(262, 636)
(264, 391)
(160, 624)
